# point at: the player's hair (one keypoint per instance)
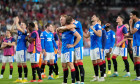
(121, 16)
(32, 24)
(68, 19)
(10, 32)
(47, 24)
(64, 15)
(135, 13)
(97, 16)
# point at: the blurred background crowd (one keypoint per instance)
(49, 11)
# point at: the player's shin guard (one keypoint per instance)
(114, 63)
(42, 67)
(51, 69)
(33, 72)
(82, 71)
(104, 64)
(109, 63)
(25, 71)
(101, 69)
(137, 66)
(20, 71)
(76, 72)
(38, 71)
(73, 75)
(56, 68)
(11, 70)
(96, 69)
(130, 51)
(126, 63)
(65, 75)
(2, 70)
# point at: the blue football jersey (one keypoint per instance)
(110, 39)
(67, 38)
(80, 31)
(136, 36)
(47, 41)
(96, 41)
(21, 42)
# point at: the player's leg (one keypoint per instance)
(25, 72)
(79, 58)
(124, 56)
(76, 53)
(32, 60)
(37, 57)
(65, 72)
(51, 67)
(10, 60)
(65, 68)
(137, 66)
(104, 62)
(109, 63)
(56, 66)
(19, 65)
(136, 53)
(2, 70)
(76, 72)
(100, 63)
(69, 60)
(114, 56)
(108, 60)
(95, 65)
(130, 51)
(24, 64)
(11, 70)
(4, 60)
(44, 62)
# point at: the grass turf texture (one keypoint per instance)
(89, 72)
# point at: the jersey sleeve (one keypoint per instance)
(13, 40)
(33, 35)
(103, 39)
(98, 27)
(42, 40)
(54, 43)
(125, 30)
(137, 26)
(73, 32)
(56, 37)
(112, 39)
(104, 26)
(76, 23)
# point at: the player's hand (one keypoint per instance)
(26, 37)
(70, 45)
(45, 54)
(110, 50)
(131, 22)
(118, 45)
(107, 24)
(5, 43)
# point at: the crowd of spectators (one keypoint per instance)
(46, 11)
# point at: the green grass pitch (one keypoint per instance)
(89, 72)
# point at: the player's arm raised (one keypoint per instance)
(132, 30)
(18, 26)
(78, 38)
(12, 29)
(98, 32)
